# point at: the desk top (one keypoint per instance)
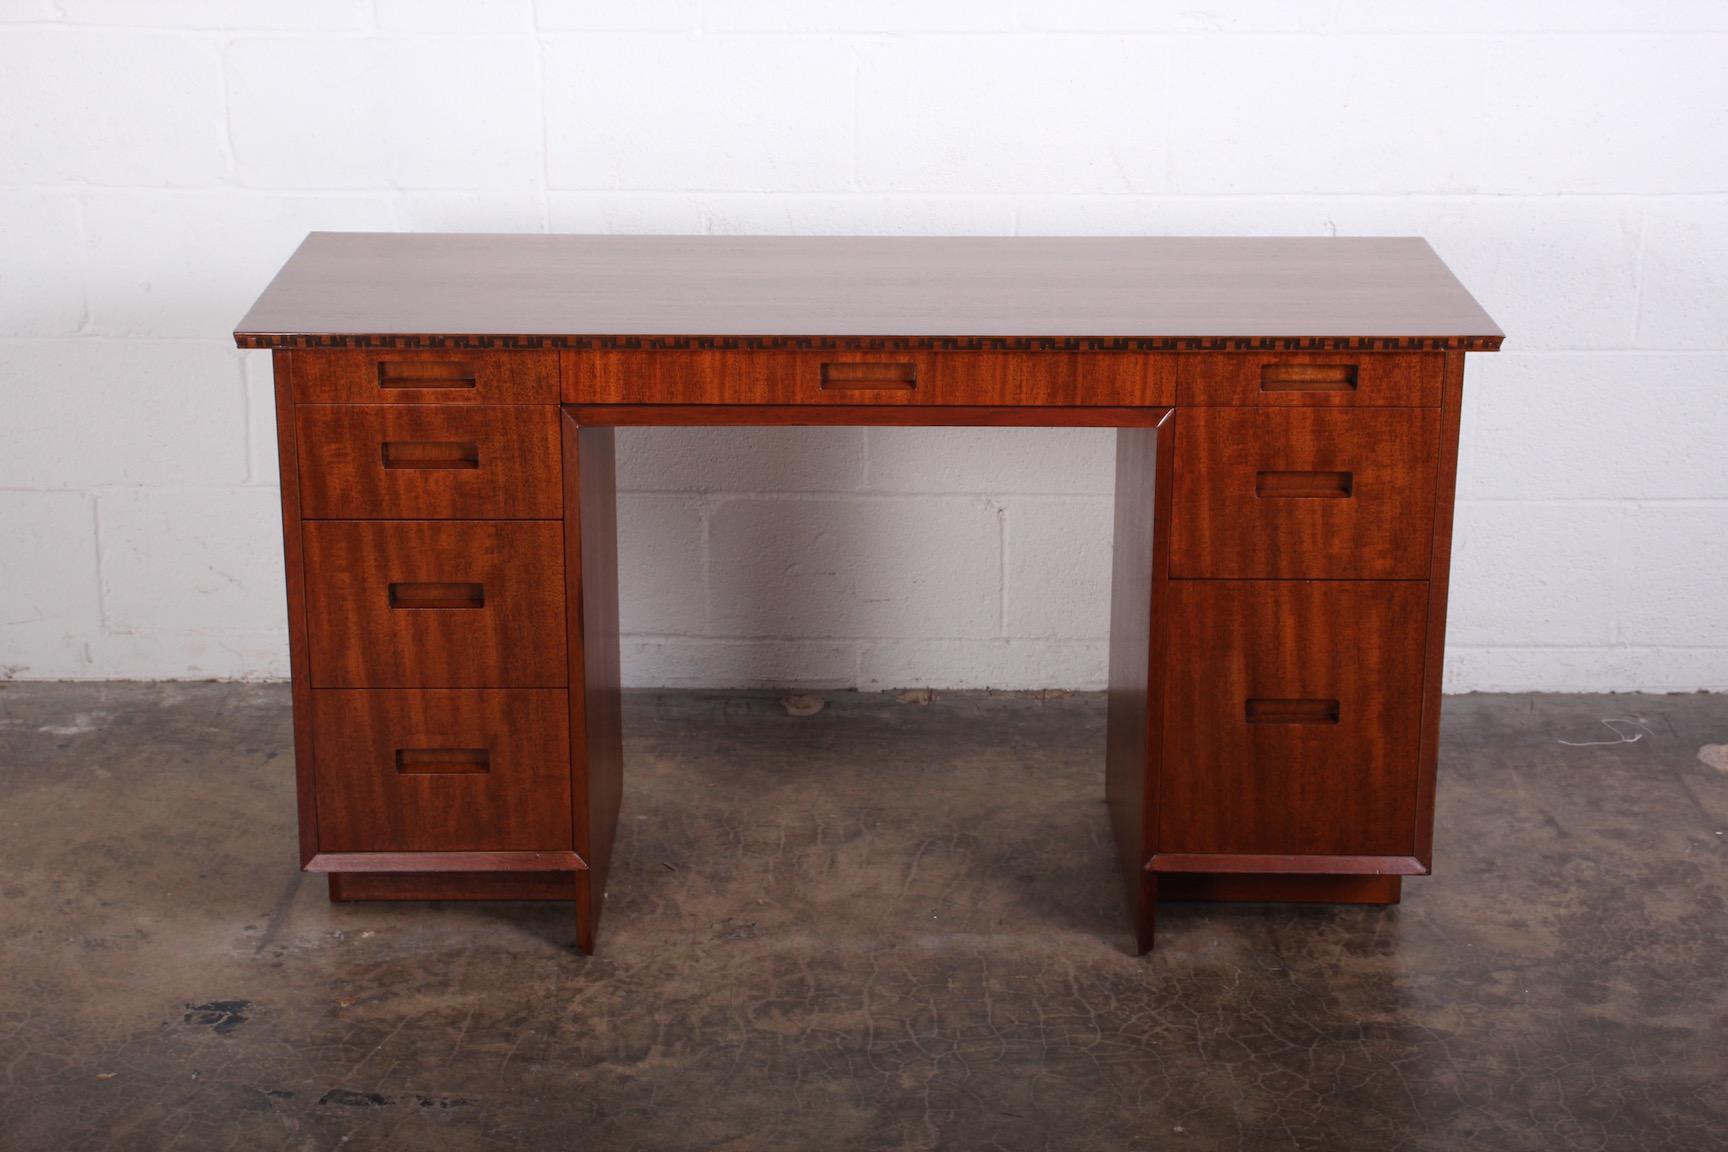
(1140, 293)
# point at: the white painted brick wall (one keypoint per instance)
(158, 161)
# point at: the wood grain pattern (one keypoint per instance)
(1349, 788)
(368, 803)
(486, 377)
(1439, 583)
(939, 378)
(359, 641)
(596, 711)
(1134, 723)
(294, 573)
(1229, 522)
(432, 461)
(1311, 379)
(522, 289)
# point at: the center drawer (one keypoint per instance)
(435, 604)
(1321, 493)
(442, 771)
(849, 377)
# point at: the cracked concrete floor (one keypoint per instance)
(886, 925)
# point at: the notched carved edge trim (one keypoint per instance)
(403, 342)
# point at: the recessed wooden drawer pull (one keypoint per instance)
(443, 760)
(843, 376)
(1305, 485)
(1265, 711)
(1308, 377)
(426, 374)
(431, 454)
(437, 596)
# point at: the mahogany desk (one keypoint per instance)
(1287, 415)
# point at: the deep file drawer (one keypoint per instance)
(1293, 717)
(1315, 493)
(430, 604)
(442, 770)
(434, 461)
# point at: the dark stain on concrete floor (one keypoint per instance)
(886, 925)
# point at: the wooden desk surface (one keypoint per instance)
(987, 292)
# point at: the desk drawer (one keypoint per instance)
(1294, 717)
(1318, 493)
(433, 461)
(428, 604)
(981, 378)
(1311, 379)
(390, 376)
(442, 771)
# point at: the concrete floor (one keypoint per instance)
(887, 925)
